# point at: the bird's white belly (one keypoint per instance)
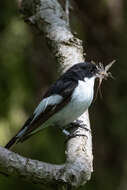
(80, 101)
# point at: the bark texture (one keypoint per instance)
(50, 19)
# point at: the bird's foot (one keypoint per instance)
(77, 124)
(71, 130)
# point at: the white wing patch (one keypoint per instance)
(50, 101)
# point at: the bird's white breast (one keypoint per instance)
(83, 94)
(80, 101)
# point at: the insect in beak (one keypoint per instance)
(103, 71)
(103, 74)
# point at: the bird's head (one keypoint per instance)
(84, 70)
(88, 70)
(91, 69)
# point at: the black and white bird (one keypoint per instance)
(67, 99)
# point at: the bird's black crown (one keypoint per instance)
(81, 70)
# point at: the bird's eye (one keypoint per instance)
(91, 70)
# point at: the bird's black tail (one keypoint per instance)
(20, 135)
(11, 142)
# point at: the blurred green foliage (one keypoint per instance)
(26, 70)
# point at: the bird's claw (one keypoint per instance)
(73, 136)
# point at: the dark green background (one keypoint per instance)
(27, 69)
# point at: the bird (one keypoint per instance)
(65, 100)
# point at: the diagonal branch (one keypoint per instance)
(50, 19)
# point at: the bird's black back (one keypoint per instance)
(70, 78)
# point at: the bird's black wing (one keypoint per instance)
(64, 88)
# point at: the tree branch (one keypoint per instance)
(49, 17)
